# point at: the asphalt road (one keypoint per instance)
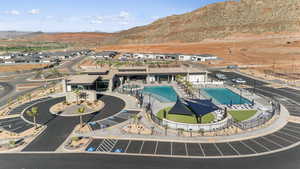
(7, 88)
(284, 160)
(10, 89)
(59, 127)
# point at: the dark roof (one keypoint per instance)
(107, 53)
(201, 107)
(180, 108)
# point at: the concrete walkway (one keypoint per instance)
(117, 133)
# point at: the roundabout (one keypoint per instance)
(59, 127)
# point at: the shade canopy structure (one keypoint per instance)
(201, 107)
(181, 108)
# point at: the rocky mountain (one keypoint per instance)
(217, 21)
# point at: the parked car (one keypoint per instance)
(239, 80)
(221, 76)
(232, 67)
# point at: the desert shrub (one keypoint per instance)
(75, 139)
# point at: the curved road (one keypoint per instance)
(7, 88)
(59, 127)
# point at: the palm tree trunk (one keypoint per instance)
(80, 121)
(34, 120)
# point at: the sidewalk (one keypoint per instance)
(116, 132)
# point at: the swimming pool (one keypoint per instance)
(225, 96)
(162, 93)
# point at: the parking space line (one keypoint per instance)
(128, 145)
(156, 147)
(294, 126)
(202, 149)
(233, 148)
(288, 134)
(298, 132)
(171, 151)
(250, 148)
(271, 141)
(218, 149)
(186, 151)
(141, 147)
(260, 144)
(283, 138)
(292, 129)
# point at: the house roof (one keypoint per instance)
(82, 79)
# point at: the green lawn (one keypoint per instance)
(208, 118)
(241, 115)
(183, 118)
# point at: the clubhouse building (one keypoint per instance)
(104, 79)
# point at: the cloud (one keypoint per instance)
(97, 20)
(124, 15)
(12, 12)
(34, 11)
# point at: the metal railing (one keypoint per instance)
(262, 118)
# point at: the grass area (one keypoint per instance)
(183, 118)
(241, 115)
(208, 118)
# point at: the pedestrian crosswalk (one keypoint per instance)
(107, 145)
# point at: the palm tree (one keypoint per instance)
(77, 93)
(179, 78)
(134, 118)
(98, 62)
(19, 99)
(33, 113)
(29, 96)
(10, 102)
(81, 111)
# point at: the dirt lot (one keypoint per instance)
(20, 67)
(268, 52)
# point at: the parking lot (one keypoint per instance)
(287, 136)
(291, 106)
(16, 125)
(22, 107)
(113, 120)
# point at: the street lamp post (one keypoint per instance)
(241, 95)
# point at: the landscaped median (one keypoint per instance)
(208, 118)
(13, 141)
(71, 109)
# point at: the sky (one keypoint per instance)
(89, 15)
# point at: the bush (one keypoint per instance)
(75, 139)
(12, 143)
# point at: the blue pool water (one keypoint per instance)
(225, 96)
(163, 93)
